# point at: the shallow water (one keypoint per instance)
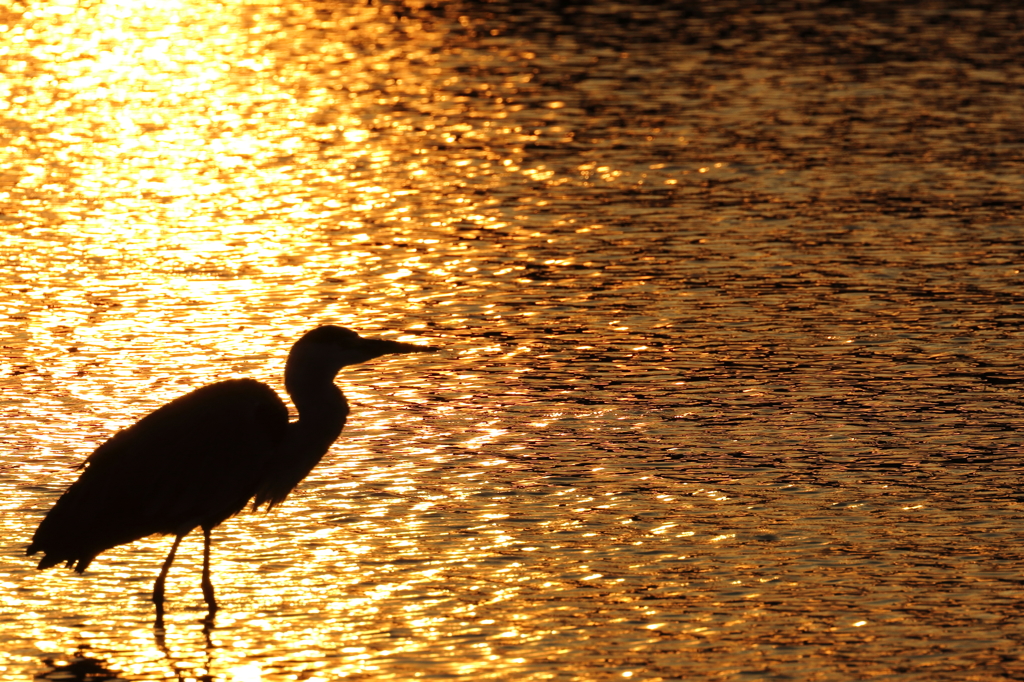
(730, 302)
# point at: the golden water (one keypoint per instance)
(729, 298)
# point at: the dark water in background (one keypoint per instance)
(731, 298)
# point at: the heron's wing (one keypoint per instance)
(193, 462)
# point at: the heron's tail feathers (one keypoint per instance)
(79, 563)
(46, 561)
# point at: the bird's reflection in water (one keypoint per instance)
(201, 458)
(76, 668)
(187, 672)
(84, 666)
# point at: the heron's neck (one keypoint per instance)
(322, 411)
(321, 405)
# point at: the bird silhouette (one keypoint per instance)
(201, 458)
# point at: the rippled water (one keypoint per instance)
(730, 300)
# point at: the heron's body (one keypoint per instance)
(201, 458)
(225, 436)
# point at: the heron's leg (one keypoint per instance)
(207, 585)
(158, 588)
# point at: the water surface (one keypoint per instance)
(730, 300)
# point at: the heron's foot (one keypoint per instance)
(211, 601)
(159, 624)
(208, 622)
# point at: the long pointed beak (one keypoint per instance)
(385, 347)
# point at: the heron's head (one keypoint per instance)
(330, 348)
